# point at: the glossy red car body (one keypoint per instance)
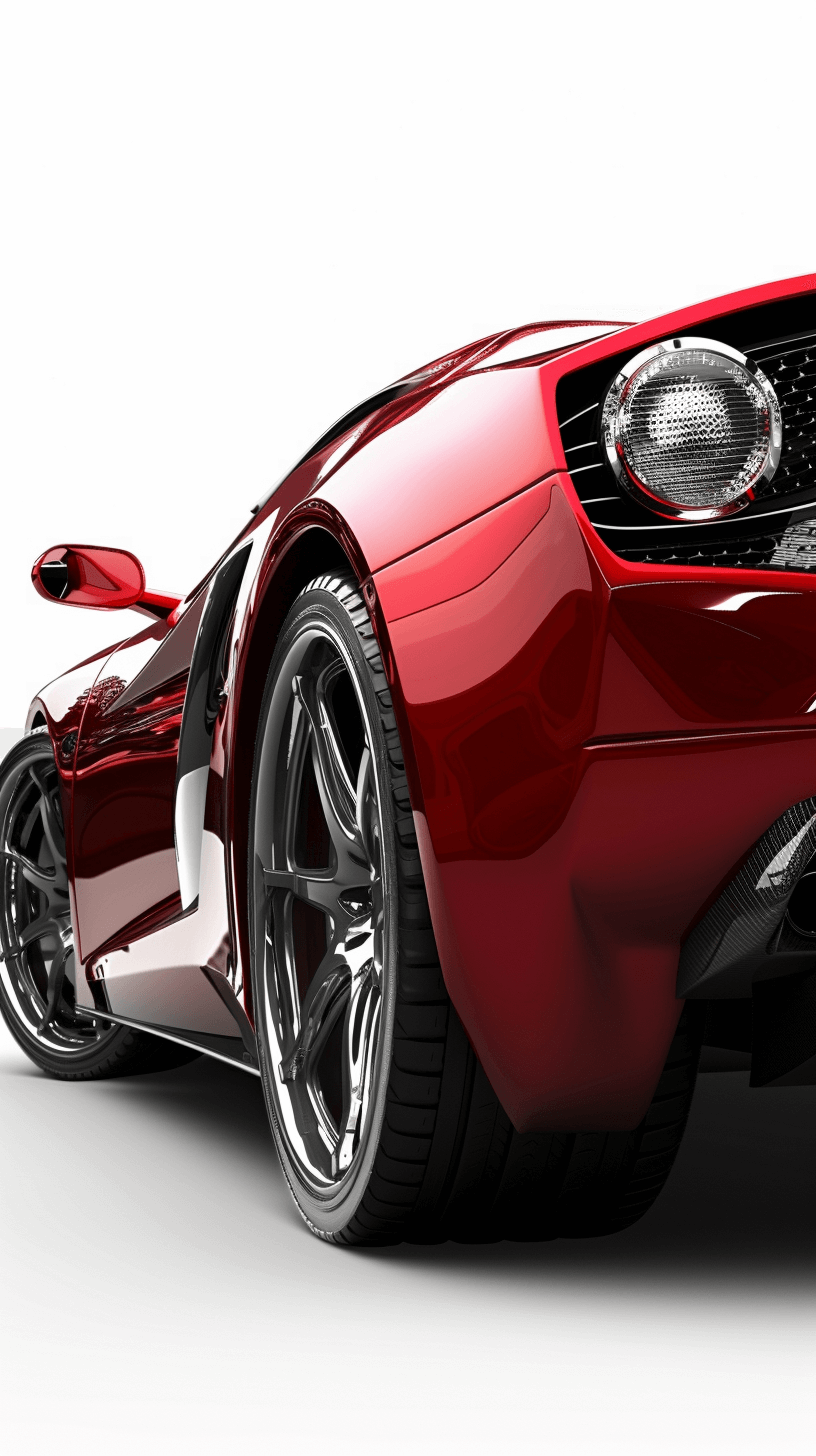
(593, 744)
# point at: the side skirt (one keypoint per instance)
(220, 1047)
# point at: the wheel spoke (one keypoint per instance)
(327, 992)
(46, 925)
(54, 834)
(333, 783)
(41, 877)
(318, 890)
(362, 791)
(281, 966)
(37, 930)
(56, 978)
(298, 752)
(45, 879)
(341, 774)
(360, 1028)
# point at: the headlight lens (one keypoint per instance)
(691, 427)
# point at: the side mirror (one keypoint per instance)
(100, 577)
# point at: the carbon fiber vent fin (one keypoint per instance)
(735, 943)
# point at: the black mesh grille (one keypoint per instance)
(754, 551)
(791, 369)
(778, 530)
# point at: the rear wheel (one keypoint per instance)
(37, 961)
(385, 1123)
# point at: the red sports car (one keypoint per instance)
(471, 794)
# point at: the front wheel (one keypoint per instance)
(385, 1123)
(37, 960)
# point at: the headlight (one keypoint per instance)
(690, 427)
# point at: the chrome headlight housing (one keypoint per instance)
(691, 427)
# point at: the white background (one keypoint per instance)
(224, 224)
(221, 225)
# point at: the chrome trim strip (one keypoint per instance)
(700, 525)
(573, 418)
(194, 1046)
(545, 341)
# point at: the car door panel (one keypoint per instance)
(124, 782)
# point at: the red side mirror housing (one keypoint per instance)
(101, 577)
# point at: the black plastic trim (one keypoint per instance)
(207, 670)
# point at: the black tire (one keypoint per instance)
(37, 986)
(438, 1157)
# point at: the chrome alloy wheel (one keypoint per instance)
(322, 933)
(36, 934)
